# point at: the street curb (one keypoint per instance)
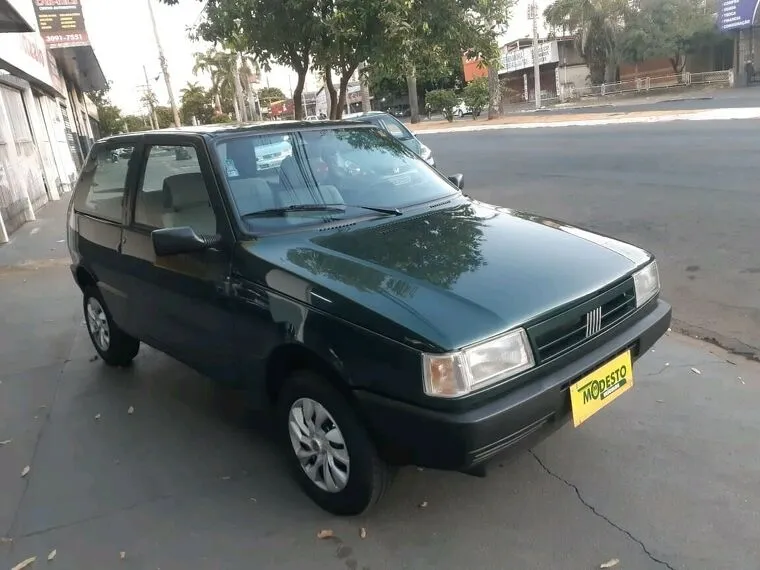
(709, 115)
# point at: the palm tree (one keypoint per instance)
(229, 71)
(596, 25)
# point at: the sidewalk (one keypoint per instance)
(42, 241)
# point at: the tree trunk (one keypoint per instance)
(298, 95)
(366, 102)
(342, 96)
(218, 104)
(333, 94)
(242, 115)
(494, 91)
(414, 104)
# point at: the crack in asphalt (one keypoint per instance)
(594, 511)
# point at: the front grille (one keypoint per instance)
(564, 332)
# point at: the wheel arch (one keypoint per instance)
(84, 278)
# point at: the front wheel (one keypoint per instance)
(114, 346)
(331, 454)
(459, 114)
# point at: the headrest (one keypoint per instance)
(186, 189)
(291, 174)
(242, 154)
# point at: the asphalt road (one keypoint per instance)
(688, 191)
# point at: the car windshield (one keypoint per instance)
(311, 176)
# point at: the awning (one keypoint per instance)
(81, 65)
(11, 21)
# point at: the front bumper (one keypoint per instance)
(461, 441)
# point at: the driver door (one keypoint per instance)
(179, 303)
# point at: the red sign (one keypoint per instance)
(61, 23)
(474, 68)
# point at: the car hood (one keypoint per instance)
(450, 277)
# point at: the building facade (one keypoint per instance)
(742, 19)
(46, 121)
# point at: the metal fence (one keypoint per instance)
(646, 85)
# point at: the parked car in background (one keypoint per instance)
(398, 130)
(462, 109)
(273, 152)
(385, 317)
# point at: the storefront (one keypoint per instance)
(46, 126)
(742, 17)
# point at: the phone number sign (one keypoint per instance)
(61, 23)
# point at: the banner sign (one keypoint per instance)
(736, 14)
(61, 23)
(518, 59)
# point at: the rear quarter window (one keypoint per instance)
(102, 185)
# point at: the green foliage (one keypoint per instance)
(475, 95)
(443, 100)
(596, 24)
(220, 118)
(269, 94)
(224, 67)
(667, 28)
(195, 101)
(165, 117)
(136, 124)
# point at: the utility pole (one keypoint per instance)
(149, 94)
(533, 13)
(164, 67)
(366, 101)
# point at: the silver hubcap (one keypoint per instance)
(319, 445)
(98, 324)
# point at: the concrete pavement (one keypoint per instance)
(667, 477)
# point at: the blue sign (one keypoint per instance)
(736, 14)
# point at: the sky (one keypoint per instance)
(123, 42)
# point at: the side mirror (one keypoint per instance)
(458, 180)
(172, 241)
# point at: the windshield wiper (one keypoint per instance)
(319, 208)
(294, 208)
(389, 211)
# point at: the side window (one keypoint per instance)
(102, 186)
(173, 192)
(394, 129)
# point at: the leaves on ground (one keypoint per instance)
(131, 410)
(363, 533)
(325, 533)
(97, 416)
(122, 555)
(25, 564)
(52, 554)
(696, 370)
(25, 471)
(610, 563)
(5, 442)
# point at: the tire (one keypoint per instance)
(367, 477)
(459, 113)
(114, 346)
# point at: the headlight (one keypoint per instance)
(463, 372)
(647, 283)
(425, 152)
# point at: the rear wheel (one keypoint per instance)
(331, 454)
(114, 346)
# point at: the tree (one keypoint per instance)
(228, 71)
(109, 116)
(596, 25)
(268, 95)
(476, 95)
(351, 32)
(136, 124)
(195, 102)
(165, 116)
(279, 31)
(667, 28)
(426, 35)
(443, 100)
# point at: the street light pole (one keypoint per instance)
(533, 13)
(149, 93)
(164, 67)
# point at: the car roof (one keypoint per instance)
(259, 128)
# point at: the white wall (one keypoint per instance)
(519, 24)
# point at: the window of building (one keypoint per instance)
(103, 183)
(173, 192)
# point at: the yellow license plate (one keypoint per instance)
(601, 387)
